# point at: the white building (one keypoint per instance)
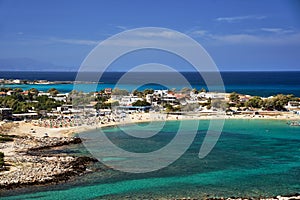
(169, 98)
(161, 96)
(160, 92)
(292, 105)
(212, 95)
(44, 94)
(129, 100)
(16, 81)
(61, 97)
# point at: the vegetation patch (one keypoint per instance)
(1, 160)
(6, 138)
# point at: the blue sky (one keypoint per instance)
(239, 35)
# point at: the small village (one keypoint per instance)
(17, 104)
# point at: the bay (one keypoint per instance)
(252, 158)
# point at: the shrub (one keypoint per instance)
(1, 159)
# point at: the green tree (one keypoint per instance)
(278, 102)
(169, 108)
(268, 104)
(1, 159)
(185, 90)
(137, 93)
(121, 92)
(208, 104)
(219, 104)
(46, 103)
(148, 91)
(53, 91)
(5, 89)
(80, 98)
(101, 99)
(254, 102)
(195, 91)
(98, 105)
(21, 107)
(203, 90)
(234, 97)
(33, 91)
(141, 103)
(11, 102)
(18, 90)
(19, 97)
(106, 105)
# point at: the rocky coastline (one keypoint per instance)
(24, 166)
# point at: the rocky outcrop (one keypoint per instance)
(30, 143)
(27, 167)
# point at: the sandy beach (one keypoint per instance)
(30, 129)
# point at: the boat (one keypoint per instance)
(294, 123)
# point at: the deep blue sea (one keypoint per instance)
(253, 83)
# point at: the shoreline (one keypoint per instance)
(30, 129)
(26, 166)
(56, 168)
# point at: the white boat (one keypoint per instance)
(294, 123)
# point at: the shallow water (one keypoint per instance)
(251, 158)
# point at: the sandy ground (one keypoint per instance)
(28, 129)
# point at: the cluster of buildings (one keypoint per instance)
(11, 81)
(59, 97)
(158, 99)
(293, 106)
(7, 113)
(19, 81)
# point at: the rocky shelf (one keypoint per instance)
(28, 168)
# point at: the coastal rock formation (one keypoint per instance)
(27, 167)
(47, 142)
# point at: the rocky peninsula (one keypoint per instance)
(24, 165)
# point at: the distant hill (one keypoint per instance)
(28, 64)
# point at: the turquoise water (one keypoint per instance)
(252, 158)
(260, 90)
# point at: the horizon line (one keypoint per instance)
(150, 71)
